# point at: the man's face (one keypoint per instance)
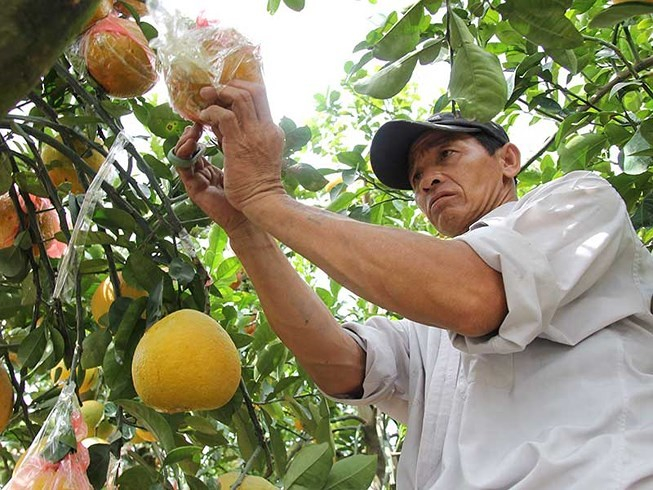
(456, 181)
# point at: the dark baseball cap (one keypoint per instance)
(391, 143)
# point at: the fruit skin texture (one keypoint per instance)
(6, 399)
(61, 168)
(105, 295)
(186, 361)
(92, 413)
(206, 56)
(250, 482)
(118, 57)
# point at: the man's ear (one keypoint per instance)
(510, 160)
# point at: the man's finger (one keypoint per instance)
(259, 96)
(241, 103)
(222, 121)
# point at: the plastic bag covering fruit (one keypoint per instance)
(203, 54)
(186, 361)
(101, 11)
(118, 57)
(9, 221)
(56, 459)
(61, 168)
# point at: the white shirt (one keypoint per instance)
(561, 396)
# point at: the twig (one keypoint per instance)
(258, 430)
(539, 153)
(246, 468)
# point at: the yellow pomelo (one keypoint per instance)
(60, 373)
(61, 168)
(92, 413)
(250, 482)
(6, 399)
(186, 361)
(105, 295)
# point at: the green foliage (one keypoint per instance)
(582, 65)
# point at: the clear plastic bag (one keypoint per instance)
(56, 459)
(196, 54)
(118, 56)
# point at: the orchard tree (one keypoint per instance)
(92, 257)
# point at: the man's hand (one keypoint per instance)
(252, 144)
(204, 184)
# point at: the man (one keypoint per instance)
(524, 360)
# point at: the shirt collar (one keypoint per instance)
(494, 216)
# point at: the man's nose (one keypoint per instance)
(429, 182)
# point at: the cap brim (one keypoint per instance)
(391, 145)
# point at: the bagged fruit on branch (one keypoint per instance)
(56, 459)
(201, 53)
(118, 57)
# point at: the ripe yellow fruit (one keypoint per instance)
(60, 167)
(186, 361)
(105, 295)
(250, 482)
(6, 399)
(119, 58)
(92, 413)
(142, 435)
(60, 373)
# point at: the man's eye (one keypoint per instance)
(416, 177)
(445, 154)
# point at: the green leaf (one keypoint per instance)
(620, 12)
(389, 80)
(117, 375)
(5, 173)
(577, 153)
(32, 347)
(296, 5)
(129, 320)
(636, 160)
(270, 359)
(153, 422)
(115, 219)
(353, 473)
(307, 176)
(228, 268)
(477, 83)
(164, 122)
(142, 271)
(99, 465)
(273, 6)
(181, 271)
(136, 478)
(180, 454)
(94, 348)
(160, 169)
(542, 23)
(403, 37)
(296, 139)
(309, 468)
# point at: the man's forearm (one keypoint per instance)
(432, 281)
(298, 316)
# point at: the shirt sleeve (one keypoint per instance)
(557, 252)
(387, 365)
